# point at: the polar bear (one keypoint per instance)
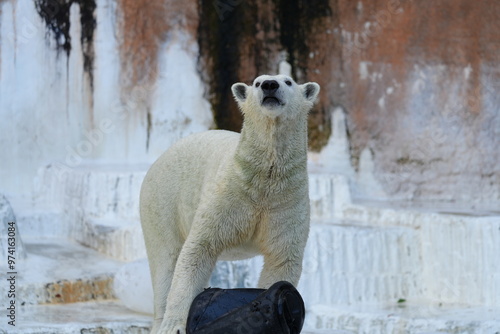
(224, 195)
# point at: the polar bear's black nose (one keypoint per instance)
(270, 86)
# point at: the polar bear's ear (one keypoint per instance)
(239, 91)
(310, 91)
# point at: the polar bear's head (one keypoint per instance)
(276, 95)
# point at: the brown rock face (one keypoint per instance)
(417, 81)
(78, 291)
(420, 92)
(145, 25)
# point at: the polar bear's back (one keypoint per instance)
(173, 186)
(202, 152)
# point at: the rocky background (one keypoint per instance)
(118, 81)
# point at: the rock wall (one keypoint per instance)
(120, 80)
(421, 86)
(93, 81)
(418, 83)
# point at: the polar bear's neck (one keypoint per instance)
(274, 149)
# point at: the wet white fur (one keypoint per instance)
(222, 195)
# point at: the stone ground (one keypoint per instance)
(369, 267)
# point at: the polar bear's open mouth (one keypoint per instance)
(271, 101)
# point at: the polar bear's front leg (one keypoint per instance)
(284, 269)
(285, 245)
(220, 223)
(192, 273)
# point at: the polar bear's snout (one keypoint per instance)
(271, 94)
(270, 86)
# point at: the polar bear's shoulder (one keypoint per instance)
(212, 135)
(203, 151)
(220, 139)
(204, 146)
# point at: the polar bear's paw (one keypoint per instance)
(173, 327)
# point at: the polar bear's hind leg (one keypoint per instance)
(163, 239)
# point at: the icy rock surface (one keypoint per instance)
(98, 117)
(9, 229)
(6, 212)
(132, 285)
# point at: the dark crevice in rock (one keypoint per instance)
(296, 21)
(221, 29)
(149, 129)
(56, 14)
(242, 39)
(88, 24)
(299, 29)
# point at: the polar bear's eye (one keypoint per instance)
(288, 82)
(257, 84)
